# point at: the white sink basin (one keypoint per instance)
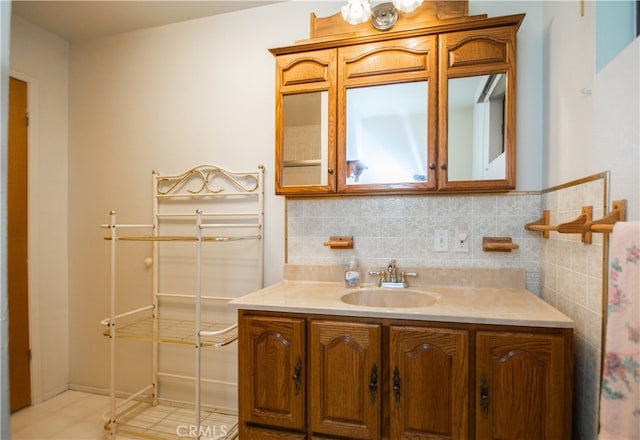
(389, 298)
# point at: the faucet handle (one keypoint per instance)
(379, 273)
(404, 275)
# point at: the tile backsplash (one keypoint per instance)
(403, 227)
(572, 282)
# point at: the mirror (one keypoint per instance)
(305, 138)
(476, 128)
(386, 133)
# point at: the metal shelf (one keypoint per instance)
(177, 331)
(170, 419)
(207, 189)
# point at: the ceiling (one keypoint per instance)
(80, 20)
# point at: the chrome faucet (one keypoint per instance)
(391, 270)
(389, 277)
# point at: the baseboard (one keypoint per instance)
(88, 389)
(55, 392)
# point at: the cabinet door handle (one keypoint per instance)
(396, 385)
(330, 171)
(373, 384)
(443, 165)
(484, 396)
(297, 376)
(432, 166)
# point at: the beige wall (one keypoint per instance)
(586, 133)
(107, 112)
(166, 98)
(42, 59)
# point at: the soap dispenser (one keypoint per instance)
(352, 274)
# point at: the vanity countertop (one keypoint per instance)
(481, 305)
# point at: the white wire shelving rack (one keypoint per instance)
(145, 413)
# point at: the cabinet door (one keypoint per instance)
(521, 386)
(387, 116)
(305, 122)
(344, 392)
(477, 109)
(272, 371)
(429, 383)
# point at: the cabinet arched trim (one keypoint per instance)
(478, 51)
(305, 71)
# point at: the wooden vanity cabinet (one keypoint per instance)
(429, 380)
(374, 378)
(523, 385)
(345, 394)
(272, 385)
(253, 433)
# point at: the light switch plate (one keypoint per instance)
(441, 240)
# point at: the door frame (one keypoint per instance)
(33, 226)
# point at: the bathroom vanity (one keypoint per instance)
(317, 361)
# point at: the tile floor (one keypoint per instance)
(75, 415)
(68, 416)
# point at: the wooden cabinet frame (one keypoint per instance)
(468, 53)
(429, 362)
(388, 62)
(449, 48)
(310, 72)
(274, 359)
(345, 404)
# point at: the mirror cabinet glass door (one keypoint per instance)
(386, 134)
(476, 127)
(477, 113)
(305, 139)
(305, 122)
(387, 116)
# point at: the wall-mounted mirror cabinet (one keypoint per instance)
(424, 108)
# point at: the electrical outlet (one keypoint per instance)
(441, 240)
(461, 237)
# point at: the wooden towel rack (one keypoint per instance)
(605, 224)
(583, 224)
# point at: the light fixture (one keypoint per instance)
(407, 5)
(383, 15)
(356, 11)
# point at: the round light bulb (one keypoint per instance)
(407, 5)
(356, 11)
